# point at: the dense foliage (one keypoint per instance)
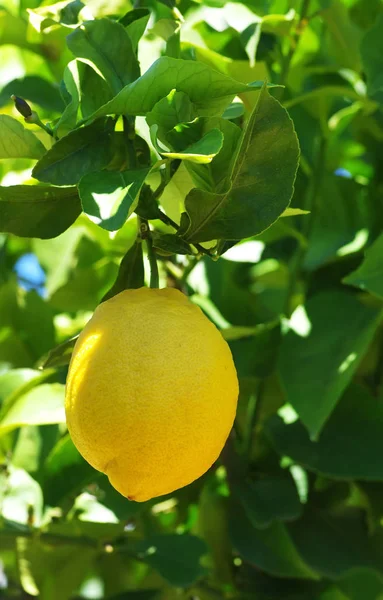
(159, 144)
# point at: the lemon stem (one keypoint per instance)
(146, 235)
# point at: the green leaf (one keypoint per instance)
(369, 276)
(36, 89)
(109, 197)
(169, 242)
(18, 142)
(95, 91)
(147, 206)
(166, 74)
(371, 49)
(213, 176)
(263, 176)
(313, 376)
(175, 108)
(175, 557)
(269, 498)
(349, 443)
(135, 22)
(38, 211)
(13, 379)
(106, 46)
(71, 83)
(65, 472)
(203, 151)
(270, 549)
(58, 356)
(86, 287)
(78, 153)
(333, 545)
(131, 273)
(42, 405)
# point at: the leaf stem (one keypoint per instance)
(146, 235)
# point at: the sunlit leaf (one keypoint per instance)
(18, 142)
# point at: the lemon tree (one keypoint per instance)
(191, 300)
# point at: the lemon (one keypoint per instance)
(151, 392)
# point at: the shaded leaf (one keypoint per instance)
(131, 273)
(169, 242)
(213, 177)
(176, 557)
(269, 498)
(135, 22)
(369, 276)
(36, 89)
(271, 549)
(175, 108)
(333, 545)
(65, 472)
(348, 445)
(106, 46)
(38, 211)
(58, 356)
(73, 156)
(313, 377)
(18, 142)
(201, 152)
(109, 197)
(371, 49)
(263, 176)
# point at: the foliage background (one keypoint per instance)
(294, 507)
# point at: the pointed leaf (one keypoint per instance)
(169, 242)
(131, 273)
(106, 46)
(271, 549)
(176, 557)
(58, 356)
(135, 22)
(313, 377)
(18, 142)
(166, 74)
(71, 83)
(262, 180)
(175, 108)
(369, 276)
(349, 443)
(109, 197)
(212, 177)
(203, 151)
(78, 153)
(38, 211)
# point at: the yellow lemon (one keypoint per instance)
(151, 392)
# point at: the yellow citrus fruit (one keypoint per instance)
(151, 392)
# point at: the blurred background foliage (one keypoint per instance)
(294, 507)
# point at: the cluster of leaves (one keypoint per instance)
(157, 139)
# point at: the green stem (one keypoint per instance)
(310, 205)
(254, 411)
(146, 235)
